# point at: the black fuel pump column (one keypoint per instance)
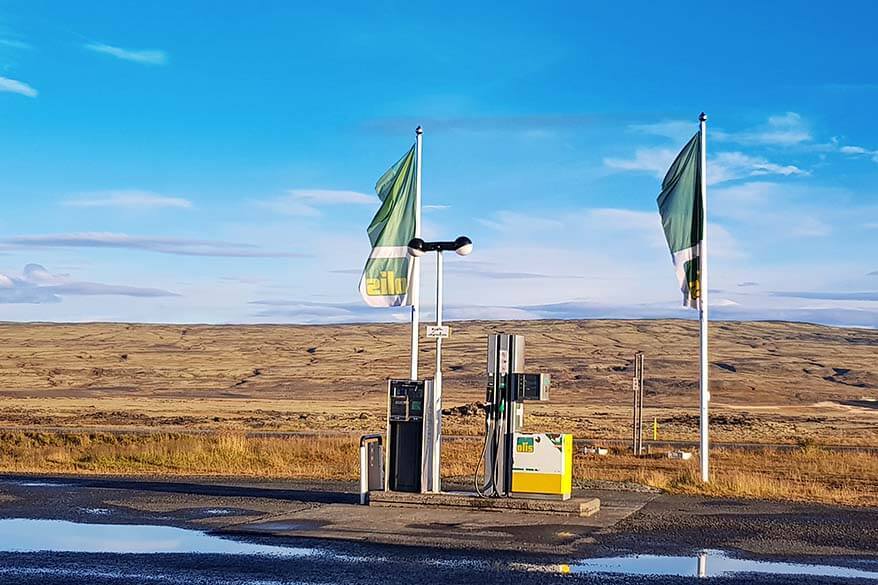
(405, 434)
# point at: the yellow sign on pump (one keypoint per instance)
(542, 465)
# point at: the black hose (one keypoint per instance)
(479, 464)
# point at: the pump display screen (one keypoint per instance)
(406, 400)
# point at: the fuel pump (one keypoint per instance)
(518, 463)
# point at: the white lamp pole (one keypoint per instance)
(463, 246)
(437, 377)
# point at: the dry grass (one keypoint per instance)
(169, 454)
(807, 474)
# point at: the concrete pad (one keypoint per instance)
(450, 527)
(318, 511)
(579, 506)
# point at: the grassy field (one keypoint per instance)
(131, 399)
(809, 473)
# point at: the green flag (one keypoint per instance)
(389, 269)
(682, 212)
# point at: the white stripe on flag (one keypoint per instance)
(389, 252)
(680, 259)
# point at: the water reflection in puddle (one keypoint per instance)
(709, 563)
(96, 511)
(25, 483)
(219, 512)
(26, 535)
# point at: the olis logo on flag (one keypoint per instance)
(693, 269)
(386, 283)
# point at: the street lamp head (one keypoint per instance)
(463, 246)
(416, 247)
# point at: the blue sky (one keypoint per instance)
(203, 162)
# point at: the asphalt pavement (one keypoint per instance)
(338, 541)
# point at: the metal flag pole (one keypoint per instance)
(703, 306)
(416, 269)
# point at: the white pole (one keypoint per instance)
(416, 271)
(703, 317)
(437, 380)
(364, 474)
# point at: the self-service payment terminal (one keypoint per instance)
(410, 427)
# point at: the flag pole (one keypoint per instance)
(416, 270)
(703, 306)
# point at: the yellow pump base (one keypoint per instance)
(542, 465)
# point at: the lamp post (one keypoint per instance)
(417, 247)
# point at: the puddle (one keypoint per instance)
(219, 512)
(709, 563)
(27, 535)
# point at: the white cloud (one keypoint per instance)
(332, 196)
(722, 244)
(145, 57)
(128, 199)
(37, 274)
(305, 202)
(781, 130)
(784, 130)
(36, 285)
(512, 222)
(13, 86)
(677, 130)
(760, 203)
(626, 219)
(15, 44)
(859, 151)
(177, 246)
(724, 166)
(809, 227)
(650, 160)
(727, 166)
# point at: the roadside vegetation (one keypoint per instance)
(808, 473)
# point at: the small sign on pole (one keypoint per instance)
(438, 331)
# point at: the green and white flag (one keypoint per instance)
(389, 269)
(682, 211)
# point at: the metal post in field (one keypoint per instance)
(637, 387)
(640, 403)
(634, 410)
